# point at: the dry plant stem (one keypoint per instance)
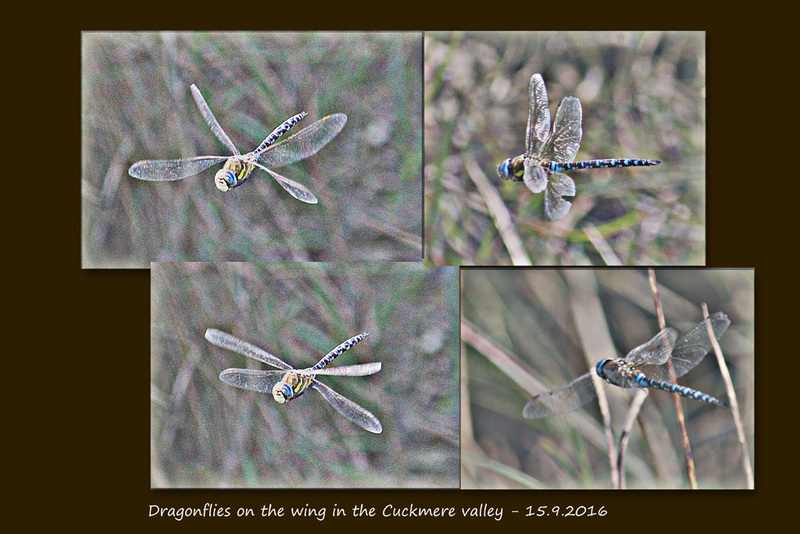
(467, 434)
(633, 412)
(505, 361)
(586, 309)
(500, 214)
(687, 447)
(601, 245)
(734, 402)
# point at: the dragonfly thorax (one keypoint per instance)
(619, 372)
(233, 173)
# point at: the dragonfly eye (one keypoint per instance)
(600, 365)
(282, 392)
(502, 169)
(225, 180)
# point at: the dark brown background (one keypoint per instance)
(79, 434)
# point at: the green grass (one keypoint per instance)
(643, 95)
(136, 105)
(208, 434)
(535, 316)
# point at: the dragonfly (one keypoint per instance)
(238, 166)
(287, 383)
(646, 366)
(549, 151)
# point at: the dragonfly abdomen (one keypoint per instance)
(341, 348)
(279, 131)
(556, 166)
(680, 390)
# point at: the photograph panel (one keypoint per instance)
(380, 411)
(320, 135)
(543, 408)
(565, 148)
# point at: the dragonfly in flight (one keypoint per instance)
(646, 366)
(238, 166)
(287, 383)
(549, 151)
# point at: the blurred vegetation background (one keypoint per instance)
(643, 95)
(535, 316)
(136, 105)
(208, 434)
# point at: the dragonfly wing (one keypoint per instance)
(227, 341)
(211, 120)
(656, 351)
(251, 379)
(535, 176)
(304, 143)
(556, 206)
(297, 190)
(566, 135)
(166, 170)
(695, 344)
(349, 409)
(347, 370)
(538, 117)
(562, 400)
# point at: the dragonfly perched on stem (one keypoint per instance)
(288, 383)
(549, 151)
(646, 366)
(238, 166)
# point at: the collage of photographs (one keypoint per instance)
(485, 252)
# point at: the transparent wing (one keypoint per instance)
(558, 187)
(347, 370)
(686, 353)
(251, 379)
(538, 117)
(562, 400)
(304, 143)
(349, 409)
(165, 170)
(565, 139)
(211, 120)
(297, 190)
(227, 341)
(535, 176)
(656, 351)
(695, 344)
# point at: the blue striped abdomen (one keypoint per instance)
(556, 166)
(279, 131)
(683, 391)
(342, 347)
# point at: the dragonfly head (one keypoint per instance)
(599, 368)
(225, 180)
(512, 168)
(282, 392)
(503, 170)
